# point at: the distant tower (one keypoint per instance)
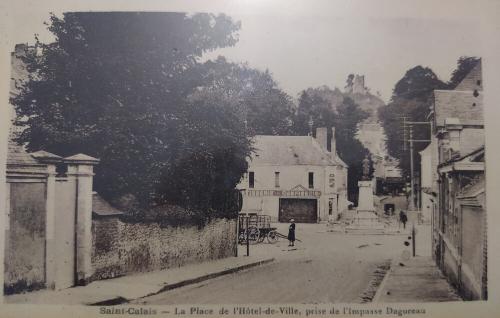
(358, 86)
(349, 82)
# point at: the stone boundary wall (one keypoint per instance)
(25, 238)
(121, 248)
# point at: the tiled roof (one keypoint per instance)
(291, 150)
(102, 208)
(473, 80)
(458, 104)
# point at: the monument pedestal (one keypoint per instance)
(365, 220)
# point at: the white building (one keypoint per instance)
(295, 177)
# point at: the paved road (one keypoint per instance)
(326, 267)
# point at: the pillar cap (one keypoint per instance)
(81, 159)
(46, 157)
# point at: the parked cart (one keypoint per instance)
(256, 228)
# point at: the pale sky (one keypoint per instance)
(308, 48)
(310, 51)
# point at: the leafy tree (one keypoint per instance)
(324, 107)
(464, 65)
(418, 83)
(115, 86)
(266, 108)
(411, 98)
(214, 147)
(231, 96)
(319, 105)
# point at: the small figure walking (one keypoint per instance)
(291, 233)
(403, 218)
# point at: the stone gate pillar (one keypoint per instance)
(81, 167)
(50, 160)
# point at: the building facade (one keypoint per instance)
(457, 185)
(387, 175)
(462, 224)
(295, 177)
(427, 193)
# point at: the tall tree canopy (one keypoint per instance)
(411, 98)
(234, 102)
(418, 83)
(266, 108)
(324, 107)
(125, 87)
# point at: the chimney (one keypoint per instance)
(333, 143)
(322, 137)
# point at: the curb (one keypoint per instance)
(381, 287)
(211, 275)
(120, 300)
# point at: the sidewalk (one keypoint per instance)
(124, 289)
(419, 280)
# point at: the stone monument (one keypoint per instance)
(365, 218)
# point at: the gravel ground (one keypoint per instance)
(325, 267)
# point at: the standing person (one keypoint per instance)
(403, 218)
(291, 233)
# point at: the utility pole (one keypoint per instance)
(411, 142)
(412, 189)
(405, 137)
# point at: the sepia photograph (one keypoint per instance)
(241, 160)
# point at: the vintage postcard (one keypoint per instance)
(249, 158)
